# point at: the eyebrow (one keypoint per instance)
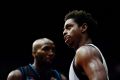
(67, 25)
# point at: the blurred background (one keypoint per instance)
(23, 22)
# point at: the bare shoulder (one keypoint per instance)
(63, 77)
(86, 49)
(84, 53)
(14, 75)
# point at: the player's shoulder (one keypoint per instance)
(85, 52)
(14, 75)
(85, 49)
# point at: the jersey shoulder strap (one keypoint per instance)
(28, 73)
(23, 70)
(56, 74)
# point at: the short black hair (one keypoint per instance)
(80, 17)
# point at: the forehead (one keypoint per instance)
(69, 21)
(42, 42)
(45, 45)
(48, 44)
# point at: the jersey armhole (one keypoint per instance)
(23, 72)
(79, 72)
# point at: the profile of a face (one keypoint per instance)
(71, 32)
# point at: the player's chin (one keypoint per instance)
(69, 44)
(49, 61)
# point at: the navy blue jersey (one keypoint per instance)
(29, 73)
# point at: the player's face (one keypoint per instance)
(45, 52)
(71, 32)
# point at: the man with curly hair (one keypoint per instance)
(88, 62)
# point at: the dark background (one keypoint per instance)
(23, 22)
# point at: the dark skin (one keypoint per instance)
(86, 57)
(43, 56)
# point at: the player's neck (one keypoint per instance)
(87, 41)
(84, 41)
(41, 70)
(40, 66)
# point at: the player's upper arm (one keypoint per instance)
(89, 60)
(14, 75)
(82, 55)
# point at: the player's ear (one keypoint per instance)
(33, 54)
(84, 27)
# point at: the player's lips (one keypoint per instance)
(50, 58)
(66, 38)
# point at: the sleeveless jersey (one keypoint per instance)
(29, 73)
(74, 74)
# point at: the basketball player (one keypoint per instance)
(43, 51)
(88, 62)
